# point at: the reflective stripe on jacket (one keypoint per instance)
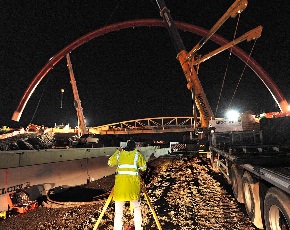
(127, 181)
(128, 169)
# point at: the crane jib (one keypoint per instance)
(202, 104)
(173, 32)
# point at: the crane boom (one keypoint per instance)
(81, 119)
(250, 35)
(236, 8)
(193, 83)
(187, 60)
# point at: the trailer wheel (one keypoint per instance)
(277, 210)
(236, 180)
(253, 204)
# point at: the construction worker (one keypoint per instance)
(129, 162)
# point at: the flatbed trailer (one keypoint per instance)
(259, 173)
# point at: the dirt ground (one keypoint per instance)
(185, 194)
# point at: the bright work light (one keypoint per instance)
(232, 115)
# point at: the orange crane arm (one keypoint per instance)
(237, 7)
(187, 60)
(78, 106)
(193, 83)
(252, 34)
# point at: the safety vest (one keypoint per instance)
(128, 169)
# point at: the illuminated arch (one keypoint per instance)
(259, 71)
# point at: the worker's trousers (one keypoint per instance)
(119, 208)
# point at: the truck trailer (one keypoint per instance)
(257, 165)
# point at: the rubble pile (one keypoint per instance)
(30, 141)
(184, 193)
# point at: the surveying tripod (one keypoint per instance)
(148, 202)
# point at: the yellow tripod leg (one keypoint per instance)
(151, 208)
(104, 209)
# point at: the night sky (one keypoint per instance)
(132, 73)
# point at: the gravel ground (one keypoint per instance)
(184, 192)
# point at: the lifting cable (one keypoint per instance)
(109, 18)
(226, 71)
(113, 12)
(39, 101)
(242, 74)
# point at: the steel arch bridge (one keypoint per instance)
(147, 125)
(249, 61)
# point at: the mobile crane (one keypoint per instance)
(255, 162)
(188, 60)
(79, 109)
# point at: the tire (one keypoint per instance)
(277, 210)
(236, 181)
(252, 200)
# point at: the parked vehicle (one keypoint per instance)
(89, 139)
(257, 165)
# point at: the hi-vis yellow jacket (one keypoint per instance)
(127, 180)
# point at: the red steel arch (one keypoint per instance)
(259, 71)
